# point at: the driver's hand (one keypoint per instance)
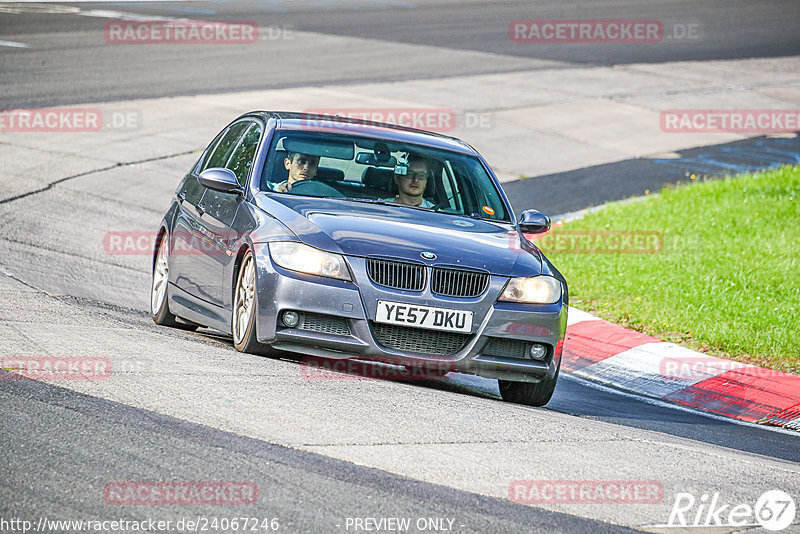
(283, 187)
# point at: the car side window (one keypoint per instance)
(202, 163)
(452, 196)
(222, 152)
(193, 191)
(242, 157)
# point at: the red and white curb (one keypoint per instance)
(608, 353)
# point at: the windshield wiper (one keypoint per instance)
(379, 202)
(366, 200)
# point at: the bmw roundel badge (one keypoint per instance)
(427, 255)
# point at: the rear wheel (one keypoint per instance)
(243, 321)
(530, 393)
(159, 289)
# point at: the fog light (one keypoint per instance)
(538, 352)
(290, 318)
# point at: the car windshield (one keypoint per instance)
(362, 169)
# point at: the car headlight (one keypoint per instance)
(536, 290)
(305, 259)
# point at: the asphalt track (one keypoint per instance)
(302, 490)
(440, 449)
(572, 191)
(69, 61)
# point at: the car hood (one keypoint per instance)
(362, 229)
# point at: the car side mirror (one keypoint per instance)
(220, 179)
(534, 222)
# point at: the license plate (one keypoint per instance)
(424, 316)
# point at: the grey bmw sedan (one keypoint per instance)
(341, 239)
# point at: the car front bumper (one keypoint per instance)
(338, 321)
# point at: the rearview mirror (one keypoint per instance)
(534, 222)
(374, 160)
(220, 179)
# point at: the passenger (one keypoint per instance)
(300, 167)
(411, 186)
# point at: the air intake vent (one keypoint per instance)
(458, 282)
(395, 274)
(324, 324)
(507, 348)
(419, 340)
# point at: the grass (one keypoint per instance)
(726, 280)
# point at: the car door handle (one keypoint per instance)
(201, 209)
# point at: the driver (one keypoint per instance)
(411, 186)
(300, 167)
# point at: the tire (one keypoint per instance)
(245, 308)
(529, 393)
(159, 289)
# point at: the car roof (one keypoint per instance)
(312, 122)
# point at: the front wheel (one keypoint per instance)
(243, 320)
(530, 393)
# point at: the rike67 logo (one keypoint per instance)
(774, 510)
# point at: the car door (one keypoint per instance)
(192, 247)
(219, 211)
(189, 195)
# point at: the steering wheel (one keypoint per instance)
(314, 189)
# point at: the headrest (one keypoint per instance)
(278, 172)
(329, 174)
(378, 178)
